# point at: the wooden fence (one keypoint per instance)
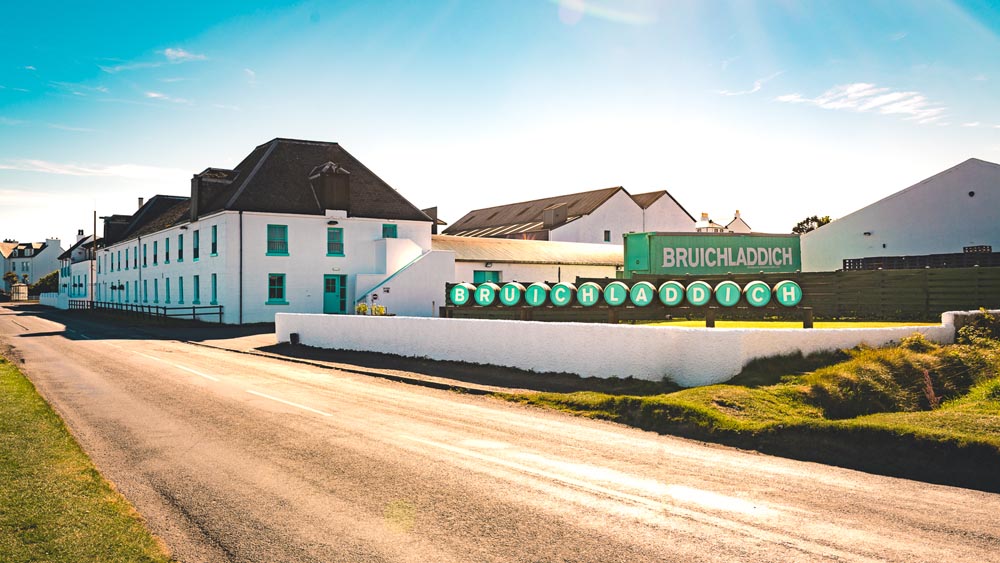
(194, 312)
(890, 295)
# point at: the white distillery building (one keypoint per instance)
(598, 216)
(500, 260)
(296, 227)
(77, 269)
(30, 260)
(950, 212)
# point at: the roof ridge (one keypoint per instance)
(256, 168)
(615, 188)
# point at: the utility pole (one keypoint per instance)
(93, 263)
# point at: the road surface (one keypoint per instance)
(238, 458)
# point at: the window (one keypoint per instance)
(215, 240)
(215, 294)
(156, 290)
(112, 262)
(180, 291)
(276, 289)
(126, 293)
(483, 276)
(196, 287)
(155, 250)
(194, 246)
(135, 257)
(334, 241)
(180, 248)
(166, 250)
(144, 256)
(126, 261)
(277, 240)
(166, 289)
(98, 265)
(389, 230)
(135, 291)
(145, 291)
(607, 236)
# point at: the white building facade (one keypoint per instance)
(949, 212)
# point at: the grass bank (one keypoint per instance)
(917, 410)
(54, 505)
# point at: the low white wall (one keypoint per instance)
(57, 300)
(687, 356)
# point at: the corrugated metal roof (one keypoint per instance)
(476, 249)
(529, 212)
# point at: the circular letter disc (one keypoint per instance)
(562, 294)
(727, 293)
(788, 293)
(588, 294)
(461, 293)
(698, 293)
(486, 294)
(615, 293)
(510, 294)
(671, 293)
(536, 294)
(642, 294)
(757, 293)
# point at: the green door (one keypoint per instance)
(334, 294)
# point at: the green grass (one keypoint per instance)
(788, 324)
(917, 410)
(54, 505)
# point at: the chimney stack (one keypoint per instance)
(79, 235)
(554, 215)
(195, 197)
(140, 203)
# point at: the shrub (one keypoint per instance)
(982, 327)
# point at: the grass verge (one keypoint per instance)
(54, 505)
(916, 410)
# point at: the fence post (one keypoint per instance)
(710, 317)
(807, 317)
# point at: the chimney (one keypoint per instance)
(554, 215)
(737, 213)
(195, 197)
(140, 203)
(114, 226)
(704, 217)
(79, 235)
(432, 212)
(332, 185)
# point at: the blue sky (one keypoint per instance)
(781, 109)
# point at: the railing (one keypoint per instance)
(194, 312)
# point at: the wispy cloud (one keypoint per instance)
(898, 36)
(180, 55)
(171, 56)
(228, 107)
(166, 98)
(757, 85)
(864, 97)
(251, 76)
(11, 122)
(130, 171)
(62, 127)
(2, 87)
(972, 124)
(29, 67)
(980, 77)
(572, 11)
(173, 79)
(80, 89)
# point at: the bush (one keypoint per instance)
(48, 283)
(982, 327)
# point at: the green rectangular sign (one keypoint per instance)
(703, 253)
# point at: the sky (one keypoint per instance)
(781, 109)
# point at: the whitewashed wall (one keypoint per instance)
(464, 271)
(56, 300)
(936, 216)
(418, 290)
(664, 215)
(620, 214)
(687, 356)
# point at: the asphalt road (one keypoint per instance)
(238, 458)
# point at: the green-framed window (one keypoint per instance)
(166, 250)
(196, 289)
(215, 290)
(276, 289)
(166, 290)
(180, 290)
(389, 230)
(215, 240)
(180, 247)
(144, 245)
(195, 244)
(156, 290)
(277, 240)
(156, 248)
(334, 241)
(483, 276)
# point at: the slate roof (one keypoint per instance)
(275, 178)
(649, 198)
(69, 253)
(160, 212)
(527, 216)
(480, 249)
(19, 249)
(7, 248)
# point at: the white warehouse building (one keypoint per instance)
(951, 212)
(296, 227)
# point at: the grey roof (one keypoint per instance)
(527, 216)
(649, 198)
(479, 249)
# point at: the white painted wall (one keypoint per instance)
(687, 356)
(35, 266)
(417, 290)
(56, 300)
(667, 217)
(304, 267)
(936, 216)
(464, 271)
(620, 214)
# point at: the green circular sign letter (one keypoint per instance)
(486, 293)
(757, 293)
(588, 294)
(562, 294)
(671, 293)
(510, 294)
(642, 294)
(727, 293)
(788, 293)
(536, 294)
(698, 293)
(461, 293)
(615, 293)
